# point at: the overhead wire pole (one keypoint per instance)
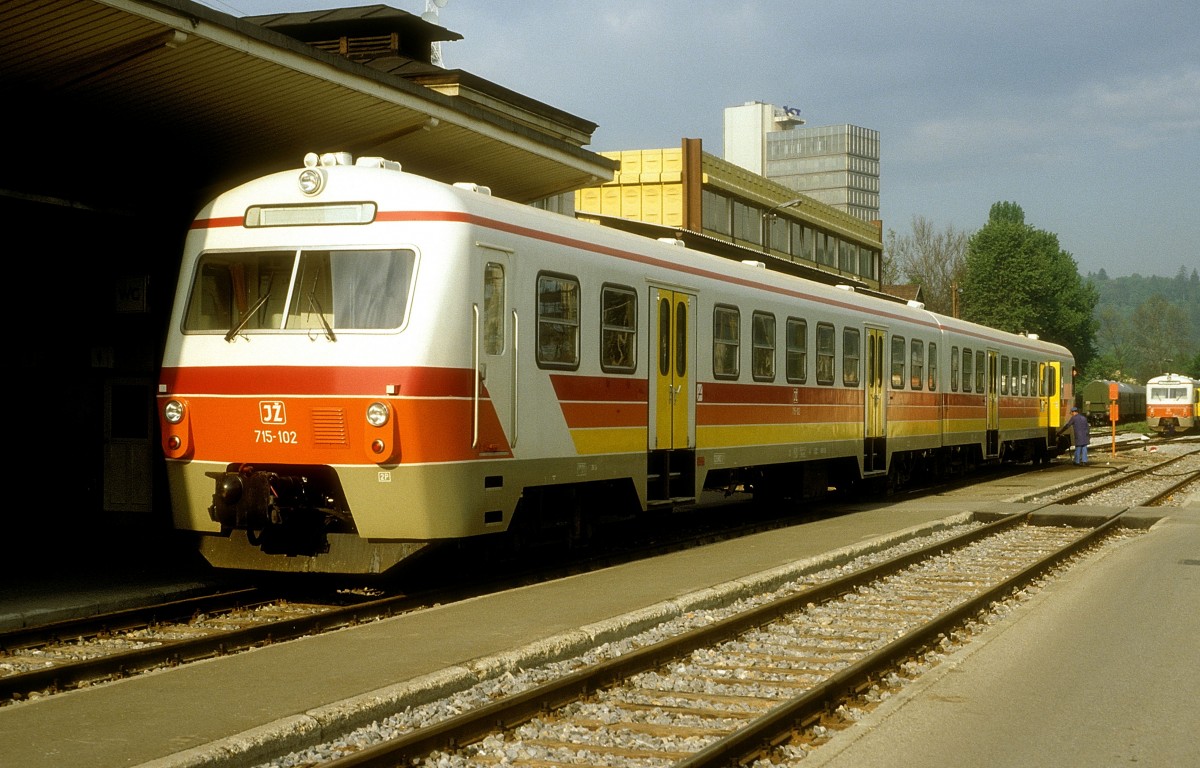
(768, 215)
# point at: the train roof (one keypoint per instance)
(373, 177)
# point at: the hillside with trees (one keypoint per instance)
(1147, 326)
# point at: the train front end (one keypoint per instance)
(308, 419)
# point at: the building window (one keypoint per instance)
(715, 212)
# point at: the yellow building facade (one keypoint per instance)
(717, 206)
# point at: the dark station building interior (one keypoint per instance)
(125, 116)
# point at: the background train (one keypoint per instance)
(1172, 403)
(1094, 401)
(362, 363)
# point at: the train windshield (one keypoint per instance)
(305, 290)
(1169, 394)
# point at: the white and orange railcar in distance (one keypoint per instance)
(1172, 403)
(362, 363)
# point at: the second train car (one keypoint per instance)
(362, 363)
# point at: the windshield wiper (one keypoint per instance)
(312, 300)
(235, 330)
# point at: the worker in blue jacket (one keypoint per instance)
(1079, 435)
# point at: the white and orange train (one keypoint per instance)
(1172, 403)
(362, 362)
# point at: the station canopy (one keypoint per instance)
(132, 103)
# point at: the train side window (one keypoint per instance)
(1014, 375)
(916, 363)
(826, 349)
(968, 358)
(1004, 374)
(933, 367)
(618, 329)
(557, 321)
(1024, 377)
(726, 341)
(851, 353)
(980, 372)
(493, 308)
(953, 369)
(762, 333)
(797, 350)
(899, 349)
(681, 338)
(1051, 382)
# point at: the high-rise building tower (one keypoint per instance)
(835, 164)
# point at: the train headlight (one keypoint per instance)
(377, 414)
(312, 181)
(173, 411)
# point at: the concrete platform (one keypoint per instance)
(1101, 668)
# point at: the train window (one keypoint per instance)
(557, 321)
(618, 329)
(493, 308)
(933, 367)
(980, 372)
(1014, 375)
(1024, 377)
(826, 349)
(1004, 374)
(916, 363)
(1051, 382)
(726, 341)
(681, 348)
(762, 355)
(797, 350)
(953, 369)
(664, 336)
(851, 352)
(968, 358)
(301, 290)
(899, 350)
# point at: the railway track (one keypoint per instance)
(1144, 486)
(746, 686)
(45, 660)
(53, 658)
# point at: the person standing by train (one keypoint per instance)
(1078, 425)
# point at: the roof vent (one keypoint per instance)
(844, 287)
(1033, 336)
(916, 304)
(473, 187)
(377, 162)
(671, 241)
(753, 263)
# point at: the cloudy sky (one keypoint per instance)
(1084, 112)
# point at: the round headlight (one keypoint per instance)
(377, 414)
(311, 181)
(173, 411)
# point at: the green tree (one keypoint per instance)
(1159, 331)
(1018, 279)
